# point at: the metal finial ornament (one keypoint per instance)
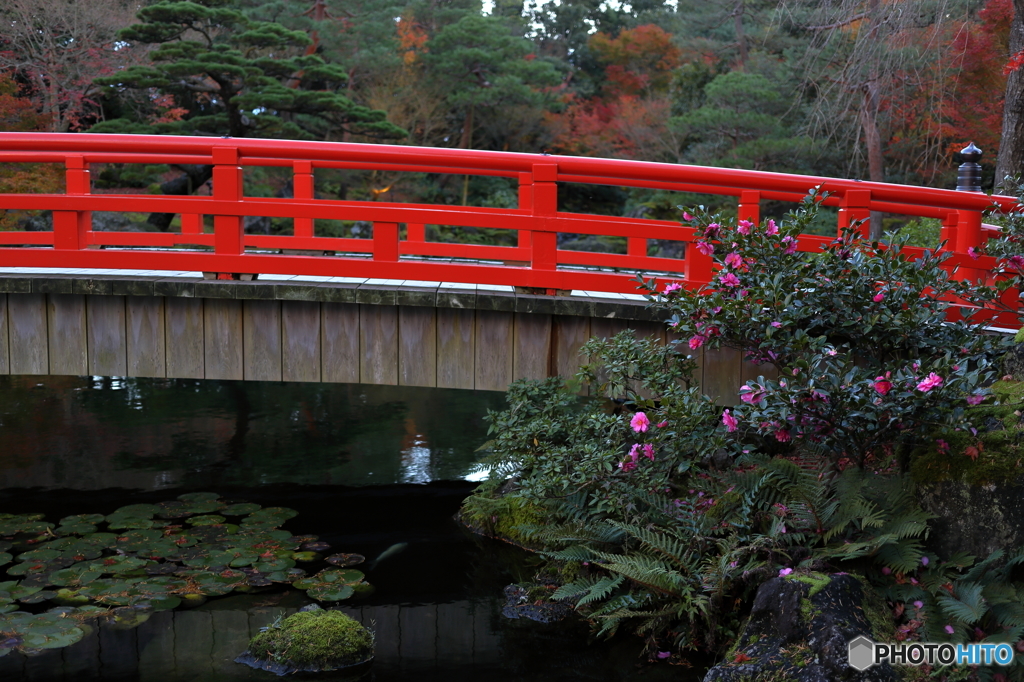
(968, 178)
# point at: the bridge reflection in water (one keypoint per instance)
(201, 645)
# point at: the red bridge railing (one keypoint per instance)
(535, 262)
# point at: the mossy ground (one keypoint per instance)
(502, 517)
(326, 639)
(994, 455)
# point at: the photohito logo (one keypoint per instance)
(863, 653)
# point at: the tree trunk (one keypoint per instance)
(1011, 145)
(741, 37)
(185, 184)
(873, 142)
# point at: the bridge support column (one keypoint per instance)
(70, 227)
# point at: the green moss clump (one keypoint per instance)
(994, 455)
(507, 517)
(817, 581)
(320, 639)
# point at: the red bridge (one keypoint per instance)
(536, 262)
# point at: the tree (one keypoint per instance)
(18, 114)
(58, 48)
(1011, 145)
(239, 77)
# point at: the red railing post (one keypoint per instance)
(749, 207)
(228, 231)
(856, 205)
(302, 188)
(385, 242)
(948, 231)
(70, 227)
(544, 203)
(968, 237)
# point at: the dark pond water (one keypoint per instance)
(366, 467)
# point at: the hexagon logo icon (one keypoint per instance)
(861, 653)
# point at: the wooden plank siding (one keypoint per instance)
(266, 339)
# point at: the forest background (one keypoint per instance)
(886, 90)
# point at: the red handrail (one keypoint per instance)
(535, 262)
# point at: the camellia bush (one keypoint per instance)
(663, 511)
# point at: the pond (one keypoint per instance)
(369, 469)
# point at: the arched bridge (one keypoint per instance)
(392, 308)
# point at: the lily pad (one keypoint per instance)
(240, 509)
(204, 506)
(91, 519)
(342, 560)
(207, 520)
(115, 564)
(142, 511)
(315, 546)
(331, 584)
(128, 522)
(305, 556)
(24, 525)
(5, 558)
(70, 577)
(39, 555)
(198, 497)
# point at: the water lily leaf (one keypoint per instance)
(70, 597)
(198, 497)
(305, 556)
(270, 515)
(275, 564)
(39, 555)
(23, 525)
(240, 509)
(51, 640)
(7, 608)
(330, 592)
(204, 507)
(142, 511)
(161, 569)
(28, 567)
(5, 558)
(99, 539)
(116, 564)
(22, 591)
(207, 520)
(207, 559)
(75, 529)
(342, 560)
(71, 577)
(82, 554)
(119, 522)
(38, 597)
(82, 518)
(166, 603)
(315, 546)
(174, 510)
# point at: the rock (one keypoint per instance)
(977, 519)
(519, 605)
(1013, 361)
(312, 640)
(799, 629)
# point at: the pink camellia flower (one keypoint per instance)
(919, 604)
(776, 324)
(687, 216)
(731, 423)
(782, 528)
(790, 245)
(640, 422)
(697, 341)
(924, 561)
(882, 386)
(942, 445)
(662, 425)
(973, 253)
(730, 280)
(705, 248)
(785, 571)
(734, 260)
(744, 227)
(886, 570)
(831, 351)
(664, 654)
(931, 381)
(950, 629)
(674, 286)
(627, 466)
(975, 399)
(771, 227)
(1016, 261)
(712, 231)
(877, 298)
(782, 435)
(648, 451)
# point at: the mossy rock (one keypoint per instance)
(504, 517)
(312, 640)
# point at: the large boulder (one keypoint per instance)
(799, 629)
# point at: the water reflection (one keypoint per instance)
(150, 434)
